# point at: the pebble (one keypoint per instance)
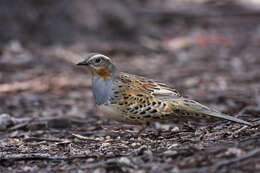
(5, 121)
(140, 171)
(90, 160)
(173, 146)
(108, 137)
(236, 151)
(125, 160)
(175, 129)
(135, 144)
(99, 170)
(105, 144)
(170, 153)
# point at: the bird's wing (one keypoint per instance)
(144, 98)
(140, 99)
(149, 86)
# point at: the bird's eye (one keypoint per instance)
(97, 60)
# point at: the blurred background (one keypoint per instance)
(207, 49)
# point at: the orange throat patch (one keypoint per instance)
(104, 73)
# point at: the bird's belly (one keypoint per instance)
(114, 113)
(111, 112)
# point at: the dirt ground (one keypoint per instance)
(208, 50)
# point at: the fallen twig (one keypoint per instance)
(238, 159)
(41, 84)
(20, 123)
(200, 12)
(224, 162)
(38, 156)
(248, 108)
(30, 139)
(83, 137)
(119, 161)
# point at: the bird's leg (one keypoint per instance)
(142, 130)
(199, 131)
(189, 126)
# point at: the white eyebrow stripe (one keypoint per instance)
(99, 55)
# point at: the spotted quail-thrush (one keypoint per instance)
(136, 100)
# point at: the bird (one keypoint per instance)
(137, 100)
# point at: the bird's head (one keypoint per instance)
(99, 65)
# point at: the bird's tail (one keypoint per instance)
(193, 109)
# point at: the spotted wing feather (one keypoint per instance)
(156, 89)
(142, 100)
(137, 98)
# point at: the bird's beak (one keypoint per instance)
(82, 63)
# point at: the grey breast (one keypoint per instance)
(102, 90)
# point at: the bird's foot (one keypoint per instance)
(201, 132)
(189, 126)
